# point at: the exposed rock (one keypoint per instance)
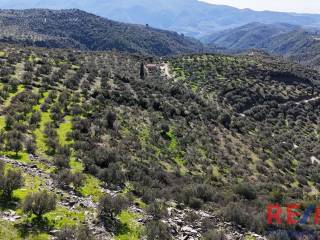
(193, 230)
(135, 209)
(315, 160)
(189, 230)
(9, 215)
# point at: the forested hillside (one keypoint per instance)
(293, 42)
(80, 30)
(252, 35)
(94, 146)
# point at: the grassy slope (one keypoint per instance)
(130, 229)
(61, 216)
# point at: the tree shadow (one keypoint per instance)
(34, 226)
(122, 229)
(14, 156)
(8, 203)
(50, 152)
(114, 225)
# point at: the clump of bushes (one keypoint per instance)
(9, 181)
(109, 207)
(246, 190)
(157, 230)
(39, 203)
(81, 232)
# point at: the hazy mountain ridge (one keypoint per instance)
(293, 42)
(191, 17)
(249, 35)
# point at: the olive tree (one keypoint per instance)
(39, 203)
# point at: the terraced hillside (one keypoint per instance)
(116, 147)
(269, 142)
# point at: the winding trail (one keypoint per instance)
(308, 100)
(305, 101)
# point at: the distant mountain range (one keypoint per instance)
(80, 30)
(296, 38)
(191, 17)
(293, 42)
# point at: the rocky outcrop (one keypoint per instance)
(193, 230)
(9, 215)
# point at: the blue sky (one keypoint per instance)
(299, 6)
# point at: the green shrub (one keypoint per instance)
(110, 206)
(236, 213)
(214, 235)
(157, 230)
(39, 203)
(75, 233)
(10, 181)
(246, 190)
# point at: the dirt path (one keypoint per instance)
(243, 114)
(166, 70)
(309, 100)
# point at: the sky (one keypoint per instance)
(298, 6)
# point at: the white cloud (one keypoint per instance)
(298, 6)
